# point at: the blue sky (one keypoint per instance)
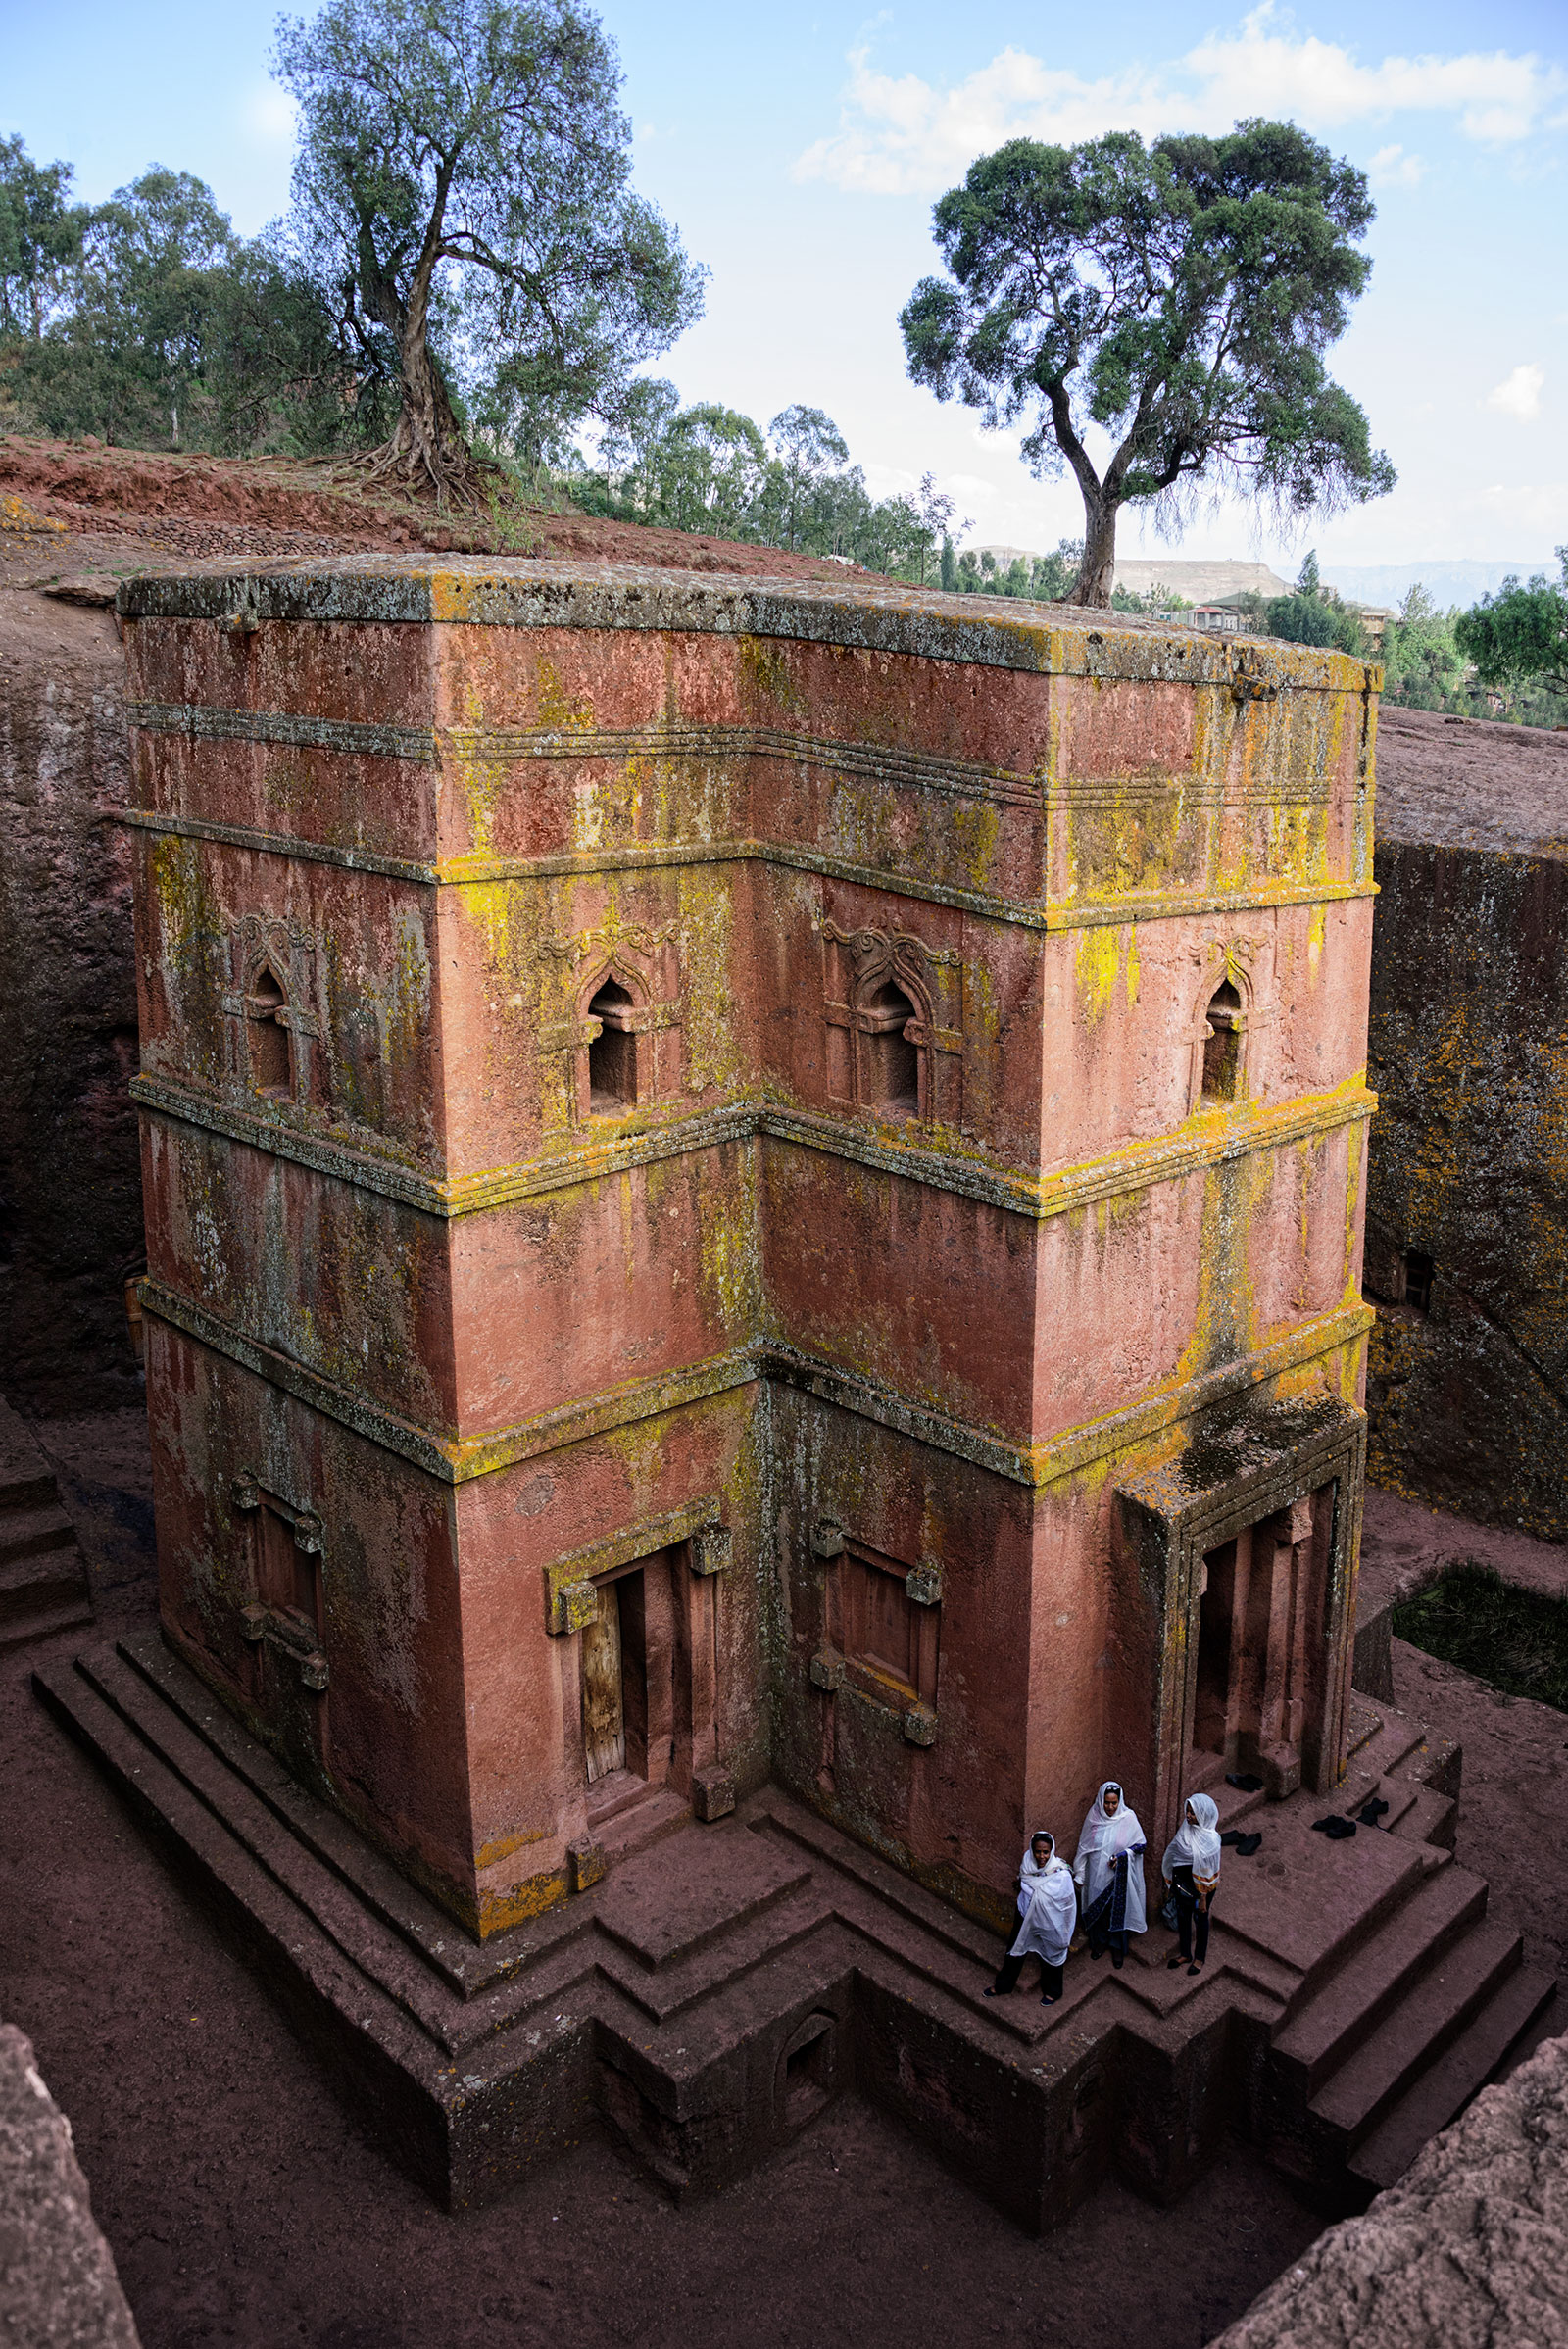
(799, 158)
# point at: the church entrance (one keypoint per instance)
(1260, 1647)
(628, 1692)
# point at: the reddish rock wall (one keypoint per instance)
(71, 1231)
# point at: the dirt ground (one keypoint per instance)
(245, 2210)
(96, 510)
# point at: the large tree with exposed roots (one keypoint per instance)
(1177, 299)
(463, 183)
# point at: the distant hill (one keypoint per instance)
(1462, 583)
(1376, 583)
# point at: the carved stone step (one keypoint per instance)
(1432, 2013)
(1460, 2072)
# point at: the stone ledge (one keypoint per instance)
(58, 2286)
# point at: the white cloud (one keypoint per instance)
(1519, 394)
(901, 135)
(1391, 167)
(268, 115)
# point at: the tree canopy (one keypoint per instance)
(463, 175)
(1178, 298)
(1520, 635)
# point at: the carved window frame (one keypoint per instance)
(1228, 963)
(835, 1667)
(642, 960)
(284, 1627)
(273, 946)
(856, 965)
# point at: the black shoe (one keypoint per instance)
(1194, 1967)
(1246, 1781)
(1171, 1964)
(994, 1992)
(1335, 1828)
(1118, 1958)
(1047, 1997)
(1246, 1845)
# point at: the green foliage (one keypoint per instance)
(1515, 1640)
(127, 353)
(463, 175)
(1178, 297)
(1519, 637)
(40, 236)
(1423, 667)
(707, 467)
(1314, 616)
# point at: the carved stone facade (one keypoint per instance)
(748, 1182)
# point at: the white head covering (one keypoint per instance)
(1197, 1847)
(1029, 1874)
(1107, 1833)
(1048, 1904)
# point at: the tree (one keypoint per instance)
(1177, 298)
(1423, 667)
(1519, 637)
(463, 166)
(40, 236)
(808, 449)
(127, 355)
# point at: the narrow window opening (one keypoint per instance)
(892, 1062)
(1222, 1046)
(270, 1070)
(1418, 1272)
(612, 1053)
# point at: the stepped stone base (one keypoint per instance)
(708, 1992)
(43, 1576)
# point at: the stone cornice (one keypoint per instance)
(456, 1460)
(862, 614)
(1205, 1140)
(458, 872)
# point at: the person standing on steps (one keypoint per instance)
(1048, 1907)
(1190, 1869)
(1110, 1874)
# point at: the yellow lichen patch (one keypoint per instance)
(712, 1047)
(1104, 956)
(184, 904)
(498, 1911)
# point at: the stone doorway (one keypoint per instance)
(628, 1685)
(1260, 1645)
(1234, 1567)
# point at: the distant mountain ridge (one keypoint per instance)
(1202, 582)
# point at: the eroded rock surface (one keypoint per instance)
(1470, 2249)
(58, 2286)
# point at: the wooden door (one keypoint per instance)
(604, 1719)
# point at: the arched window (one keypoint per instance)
(612, 1052)
(272, 1071)
(1222, 1046)
(890, 1063)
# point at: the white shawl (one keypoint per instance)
(1049, 1908)
(1106, 1836)
(1196, 1847)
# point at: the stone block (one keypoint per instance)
(712, 1793)
(585, 1864)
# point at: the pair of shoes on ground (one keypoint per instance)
(1171, 1964)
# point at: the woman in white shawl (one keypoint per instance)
(1190, 1869)
(1048, 1907)
(1109, 1872)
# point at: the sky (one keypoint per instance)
(800, 155)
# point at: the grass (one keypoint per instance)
(1515, 1640)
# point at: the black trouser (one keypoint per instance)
(1012, 1967)
(1192, 1922)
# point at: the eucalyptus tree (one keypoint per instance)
(1174, 299)
(463, 166)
